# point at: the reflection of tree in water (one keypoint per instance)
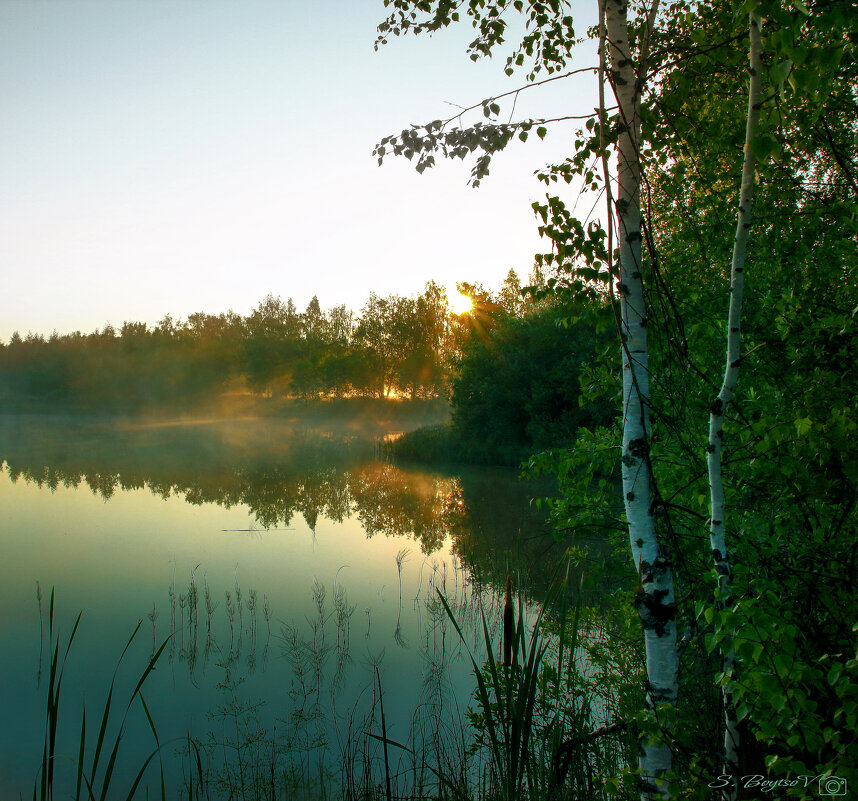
(486, 513)
(394, 502)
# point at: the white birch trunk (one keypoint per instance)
(717, 531)
(655, 600)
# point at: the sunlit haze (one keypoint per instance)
(169, 158)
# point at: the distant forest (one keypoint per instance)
(394, 347)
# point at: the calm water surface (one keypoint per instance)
(331, 550)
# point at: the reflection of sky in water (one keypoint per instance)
(116, 558)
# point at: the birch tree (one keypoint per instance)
(649, 146)
(718, 514)
(549, 40)
(655, 599)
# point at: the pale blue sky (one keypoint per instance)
(170, 157)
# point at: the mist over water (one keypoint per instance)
(259, 542)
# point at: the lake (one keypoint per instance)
(295, 568)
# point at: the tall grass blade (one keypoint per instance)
(139, 777)
(384, 736)
(192, 743)
(111, 764)
(158, 744)
(115, 751)
(44, 795)
(482, 689)
(105, 717)
(53, 701)
(149, 667)
(102, 731)
(499, 746)
(80, 755)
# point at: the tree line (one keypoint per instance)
(510, 366)
(396, 346)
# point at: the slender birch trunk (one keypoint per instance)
(655, 600)
(717, 531)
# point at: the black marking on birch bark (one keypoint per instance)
(717, 523)
(638, 447)
(622, 288)
(661, 564)
(655, 614)
(716, 555)
(637, 275)
(736, 363)
(630, 496)
(723, 569)
(717, 407)
(657, 696)
(634, 236)
(639, 542)
(735, 329)
(710, 448)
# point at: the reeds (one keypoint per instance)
(527, 712)
(94, 782)
(266, 613)
(211, 604)
(401, 556)
(153, 616)
(530, 734)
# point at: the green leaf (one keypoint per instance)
(780, 72)
(764, 146)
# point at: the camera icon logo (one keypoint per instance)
(832, 785)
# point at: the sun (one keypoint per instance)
(461, 304)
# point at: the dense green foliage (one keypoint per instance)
(517, 388)
(790, 464)
(396, 346)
